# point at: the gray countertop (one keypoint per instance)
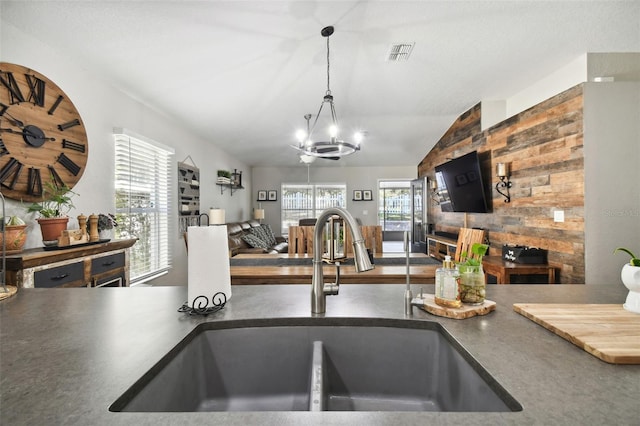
(68, 354)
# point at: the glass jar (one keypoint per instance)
(473, 287)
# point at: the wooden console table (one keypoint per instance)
(94, 265)
(496, 266)
(439, 247)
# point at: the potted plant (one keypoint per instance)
(630, 276)
(224, 176)
(106, 223)
(472, 281)
(14, 236)
(56, 203)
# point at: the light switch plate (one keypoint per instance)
(558, 216)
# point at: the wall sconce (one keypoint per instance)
(435, 195)
(503, 172)
(258, 214)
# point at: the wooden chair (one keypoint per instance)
(301, 239)
(466, 239)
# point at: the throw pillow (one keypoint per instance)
(259, 232)
(254, 241)
(270, 236)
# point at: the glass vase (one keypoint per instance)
(473, 287)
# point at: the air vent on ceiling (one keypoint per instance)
(400, 52)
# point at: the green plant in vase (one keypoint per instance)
(635, 261)
(56, 201)
(53, 208)
(472, 280)
(14, 236)
(630, 275)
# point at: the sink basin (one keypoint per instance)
(317, 364)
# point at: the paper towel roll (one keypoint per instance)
(208, 264)
(216, 217)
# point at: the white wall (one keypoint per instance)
(612, 178)
(575, 72)
(102, 107)
(266, 178)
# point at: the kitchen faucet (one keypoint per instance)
(320, 290)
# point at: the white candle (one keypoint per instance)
(502, 169)
(216, 217)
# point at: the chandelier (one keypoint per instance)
(330, 146)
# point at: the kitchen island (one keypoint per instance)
(68, 354)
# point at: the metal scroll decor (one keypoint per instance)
(201, 305)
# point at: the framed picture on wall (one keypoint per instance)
(367, 195)
(357, 195)
(272, 196)
(262, 195)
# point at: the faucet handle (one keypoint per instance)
(331, 289)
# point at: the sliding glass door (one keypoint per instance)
(394, 210)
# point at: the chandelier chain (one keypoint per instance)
(328, 65)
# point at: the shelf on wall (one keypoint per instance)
(234, 184)
(231, 186)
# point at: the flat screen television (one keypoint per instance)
(460, 185)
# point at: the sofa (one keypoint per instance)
(252, 237)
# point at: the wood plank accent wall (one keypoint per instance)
(544, 146)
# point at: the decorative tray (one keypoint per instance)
(57, 247)
(427, 303)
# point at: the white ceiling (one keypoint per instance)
(242, 74)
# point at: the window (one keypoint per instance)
(305, 201)
(142, 177)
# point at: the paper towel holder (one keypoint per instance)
(200, 304)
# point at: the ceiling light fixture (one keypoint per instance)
(332, 147)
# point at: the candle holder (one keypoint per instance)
(435, 194)
(503, 172)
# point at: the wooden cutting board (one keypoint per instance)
(465, 311)
(608, 332)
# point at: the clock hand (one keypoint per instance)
(25, 129)
(13, 121)
(10, 131)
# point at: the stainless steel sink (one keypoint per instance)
(301, 364)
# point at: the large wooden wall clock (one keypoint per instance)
(42, 137)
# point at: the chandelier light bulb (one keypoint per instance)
(357, 137)
(333, 130)
(301, 135)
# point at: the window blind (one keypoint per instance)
(142, 176)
